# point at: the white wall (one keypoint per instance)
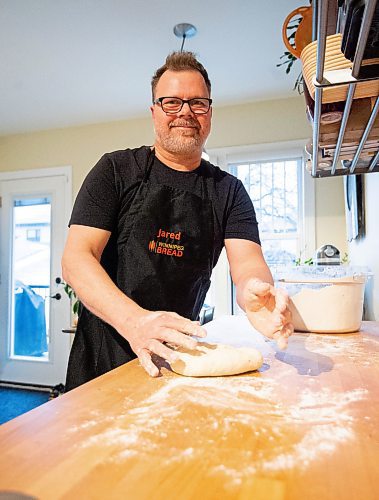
(365, 252)
(330, 215)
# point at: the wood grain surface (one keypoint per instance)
(306, 426)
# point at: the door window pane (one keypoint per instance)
(31, 277)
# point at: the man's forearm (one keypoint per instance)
(97, 291)
(246, 262)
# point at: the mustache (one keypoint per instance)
(184, 123)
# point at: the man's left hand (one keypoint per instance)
(267, 309)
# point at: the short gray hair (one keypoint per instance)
(180, 61)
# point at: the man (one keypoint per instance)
(147, 229)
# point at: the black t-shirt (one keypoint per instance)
(110, 186)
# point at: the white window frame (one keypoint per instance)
(220, 293)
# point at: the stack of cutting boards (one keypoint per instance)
(358, 118)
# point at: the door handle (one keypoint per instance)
(57, 296)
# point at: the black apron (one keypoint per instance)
(164, 263)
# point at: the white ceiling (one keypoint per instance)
(74, 62)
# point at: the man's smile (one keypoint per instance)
(183, 124)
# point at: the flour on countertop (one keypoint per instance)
(228, 409)
(352, 346)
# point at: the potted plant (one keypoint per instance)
(75, 302)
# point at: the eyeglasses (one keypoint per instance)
(172, 105)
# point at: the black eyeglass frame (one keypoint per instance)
(184, 101)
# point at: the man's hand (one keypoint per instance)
(267, 310)
(152, 329)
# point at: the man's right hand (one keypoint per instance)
(150, 332)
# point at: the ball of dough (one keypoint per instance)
(212, 360)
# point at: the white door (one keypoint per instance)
(33, 306)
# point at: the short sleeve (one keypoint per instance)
(97, 202)
(241, 221)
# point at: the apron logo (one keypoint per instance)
(152, 246)
(167, 248)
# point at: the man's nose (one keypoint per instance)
(186, 110)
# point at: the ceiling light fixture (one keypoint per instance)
(184, 30)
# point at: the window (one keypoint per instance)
(275, 187)
(283, 199)
(33, 234)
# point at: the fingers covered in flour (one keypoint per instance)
(267, 309)
(184, 325)
(144, 357)
(282, 342)
(151, 331)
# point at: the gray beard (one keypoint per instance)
(181, 145)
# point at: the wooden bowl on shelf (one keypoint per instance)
(334, 61)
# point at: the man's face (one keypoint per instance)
(184, 132)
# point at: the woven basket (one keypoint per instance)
(334, 60)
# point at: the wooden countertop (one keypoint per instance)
(306, 426)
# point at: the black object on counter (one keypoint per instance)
(328, 255)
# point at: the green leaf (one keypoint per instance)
(299, 84)
(294, 25)
(75, 307)
(289, 68)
